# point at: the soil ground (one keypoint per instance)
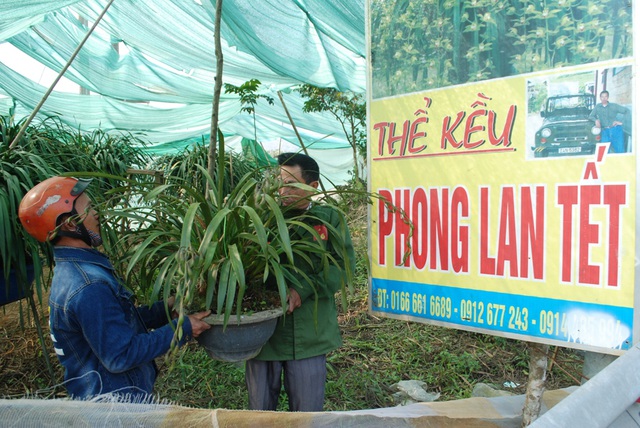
(23, 368)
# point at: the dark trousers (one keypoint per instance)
(303, 382)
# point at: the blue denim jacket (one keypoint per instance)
(100, 337)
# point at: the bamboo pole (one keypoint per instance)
(295, 129)
(57, 79)
(293, 125)
(213, 138)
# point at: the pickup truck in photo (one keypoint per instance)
(566, 129)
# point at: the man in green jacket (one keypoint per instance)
(303, 337)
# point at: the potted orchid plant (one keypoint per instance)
(234, 253)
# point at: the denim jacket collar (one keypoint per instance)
(86, 255)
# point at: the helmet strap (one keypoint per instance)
(80, 232)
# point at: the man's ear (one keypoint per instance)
(68, 223)
(314, 184)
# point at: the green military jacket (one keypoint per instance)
(306, 332)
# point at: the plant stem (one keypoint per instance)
(213, 138)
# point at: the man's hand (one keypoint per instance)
(197, 325)
(293, 300)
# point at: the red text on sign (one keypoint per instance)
(520, 233)
(428, 228)
(577, 204)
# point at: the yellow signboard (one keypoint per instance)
(507, 206)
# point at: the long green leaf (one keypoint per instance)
(223, 284)
(212, 278)
(231, 295)
(258, 227)
(238, 271)
(283, 231)
(185, 240)
(212, 227)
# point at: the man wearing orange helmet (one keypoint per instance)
(100, 337)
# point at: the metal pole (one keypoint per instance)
(55, 82)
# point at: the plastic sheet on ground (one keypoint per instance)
(473, 412)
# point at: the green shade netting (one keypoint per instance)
(255, 151)
(150, 65)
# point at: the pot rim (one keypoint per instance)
(218, 319)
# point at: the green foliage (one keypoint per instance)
(249, 96)
(110, 154)
(216, 250)
(349, 109)
(47, 149)
(188, 164)
(97, 151)
(538, 95)
(248, 93)
(424, 44)
(20, 169)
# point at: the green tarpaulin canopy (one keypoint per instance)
(150, 67)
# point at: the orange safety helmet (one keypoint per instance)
(44, 203)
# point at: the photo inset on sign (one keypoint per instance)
(568, 114)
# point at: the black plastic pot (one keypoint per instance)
(238, 341)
